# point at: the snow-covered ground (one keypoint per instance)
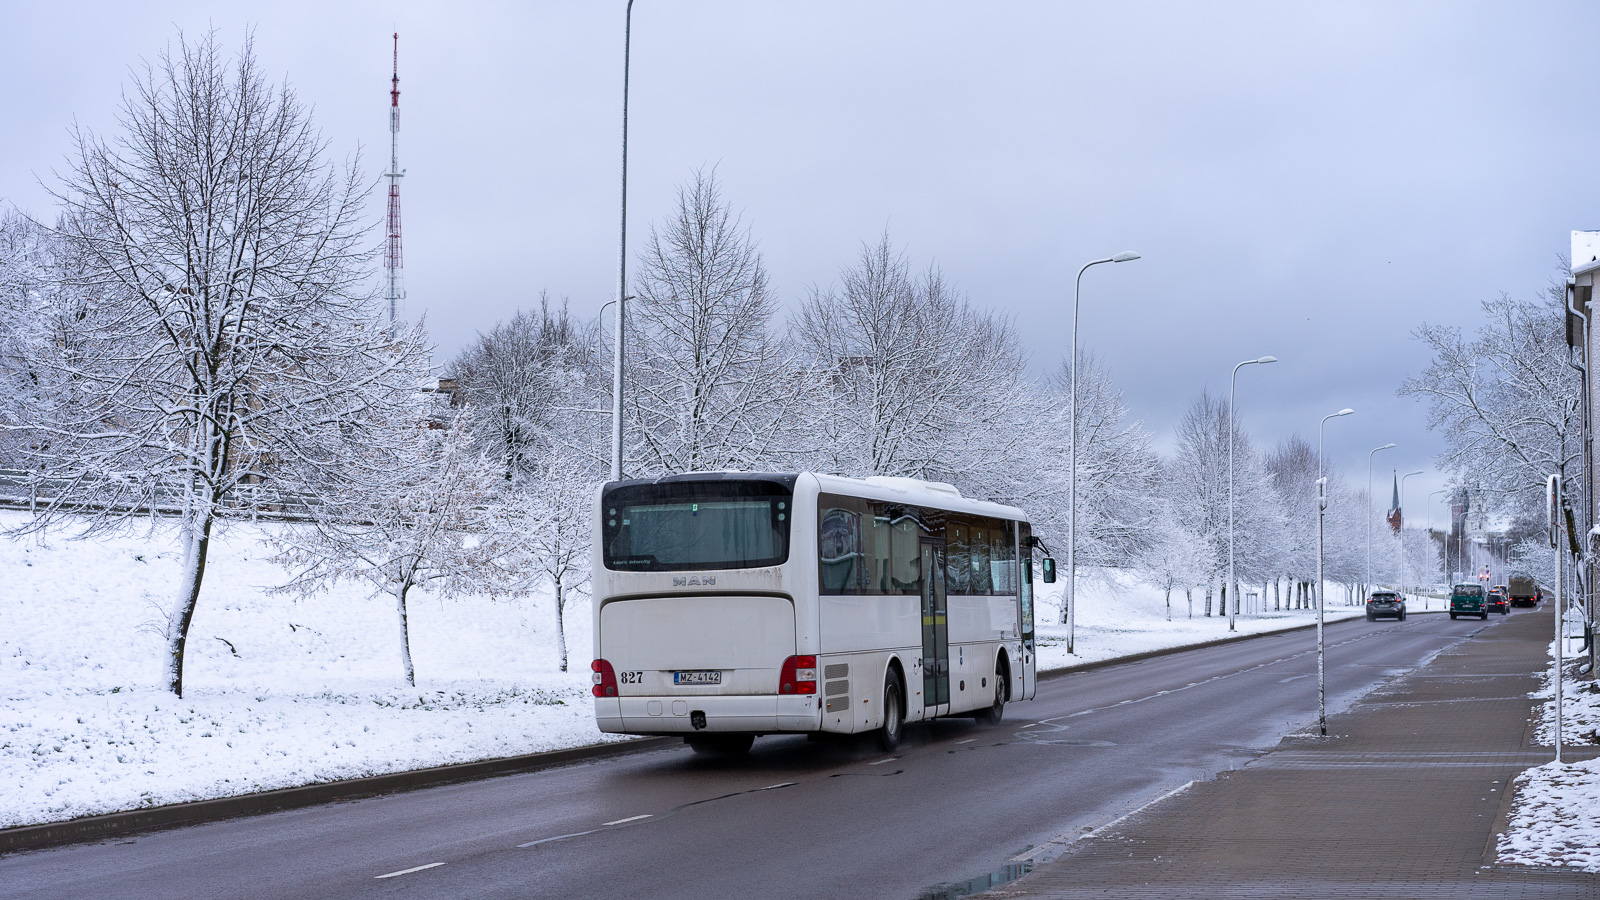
(1120, 615)
(282, 692)
(1553, 819)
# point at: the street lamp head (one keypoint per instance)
(1344, 412)
(1409, 474)
(1387, 446)
(1125, 256)
(1267, 359)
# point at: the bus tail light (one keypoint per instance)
(605, 679)
(799, 675)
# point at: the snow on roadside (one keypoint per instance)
(283, 692)
(1553, 819)
(279, 692)
(1553, 822)
(1580, 703)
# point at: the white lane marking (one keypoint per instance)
(967, 741)
(628, 819)
(782, 784)
(1292, 678)
(559, 837)
(410, 870)
(1061, 842)
(1031, 724)
(882, 761)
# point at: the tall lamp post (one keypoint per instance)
(622, 263)
(1322, 506)
(1072, 462)
(1369, 510)
(1233, 580)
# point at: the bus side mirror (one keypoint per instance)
(1049, 570)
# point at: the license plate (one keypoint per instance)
(696, 677)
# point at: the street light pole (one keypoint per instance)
(1072, 463)
(1369, 510)
(1233, 580)
(622, 263)
(1322, 691)
(1322, 506)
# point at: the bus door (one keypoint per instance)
(935, 627)
(1030, 660)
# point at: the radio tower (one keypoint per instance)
(391, 249)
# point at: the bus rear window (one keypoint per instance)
(675, 526)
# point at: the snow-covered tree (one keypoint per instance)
(538, 534)
(709, 384)
(1174, 556)
(1292, 472)
(1199, 484)
(523, 382)
(1117, 486)
(224, 324)
(403, 512)
(29, 256)
(1506, 402)
(917, 381)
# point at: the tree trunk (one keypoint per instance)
(196, 544)
(1208, 599)
(405, 632)
(1169, 603)
(561, 628)
(1189, 593)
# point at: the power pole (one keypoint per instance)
(391, 246)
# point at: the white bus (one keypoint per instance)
(731, 605)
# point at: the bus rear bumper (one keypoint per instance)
(769, 714)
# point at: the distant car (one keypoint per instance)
(1386, 603)
(1498, 601)
(1468, 600)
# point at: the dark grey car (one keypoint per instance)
(1386, 603)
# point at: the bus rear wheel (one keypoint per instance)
(893, 720)
(995, 713)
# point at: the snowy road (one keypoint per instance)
(794, 819)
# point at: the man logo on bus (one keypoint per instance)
(685, 581)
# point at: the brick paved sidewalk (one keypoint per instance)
(1404, 799)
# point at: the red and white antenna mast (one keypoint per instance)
(391, 249)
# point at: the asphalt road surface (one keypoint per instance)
(800, 819)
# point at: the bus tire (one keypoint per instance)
(995, 713)
(893, 718)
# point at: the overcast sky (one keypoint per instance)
(1309, 181)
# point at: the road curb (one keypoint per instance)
(118, 824)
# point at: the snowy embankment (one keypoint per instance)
(284, 692)
(1555, 818)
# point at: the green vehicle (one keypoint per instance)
(1469, 600)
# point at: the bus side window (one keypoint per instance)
(1003, 559)
(958, 565)
(1025, 587)
(839, 551)
(982, 533)
(905, 553)
(878, 559)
